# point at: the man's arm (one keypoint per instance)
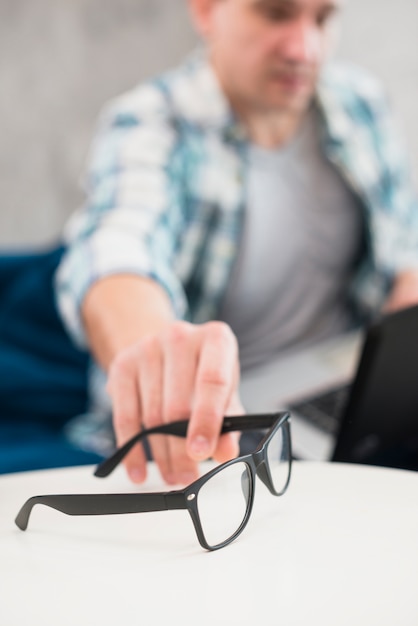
(120, 310)
(161, 370)
(119, 292)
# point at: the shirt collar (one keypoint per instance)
(198, 93)
(331, 98)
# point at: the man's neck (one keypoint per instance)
(267, 128)
(270, 129)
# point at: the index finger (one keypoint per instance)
(216, 380)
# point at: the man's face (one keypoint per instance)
(268, 53)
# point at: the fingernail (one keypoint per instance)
(186, 478)
(200, 446)
(136, 475)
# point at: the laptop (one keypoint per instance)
(354, 399)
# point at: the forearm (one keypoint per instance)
(119, 310)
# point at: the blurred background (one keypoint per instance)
(61, 60)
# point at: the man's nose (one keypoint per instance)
(301, 42)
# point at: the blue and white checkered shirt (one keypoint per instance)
(166, 190)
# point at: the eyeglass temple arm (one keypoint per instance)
(179, 429)
(103, 504)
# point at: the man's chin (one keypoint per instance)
(294, 96)
(295, 105)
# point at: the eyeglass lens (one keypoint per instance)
(223, 503)
(278, 456)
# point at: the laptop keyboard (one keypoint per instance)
(324, 410)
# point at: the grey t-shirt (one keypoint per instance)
(301, 237)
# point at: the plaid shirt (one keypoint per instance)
(166, 190)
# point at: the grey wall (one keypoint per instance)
(382, 35)
(60, 60)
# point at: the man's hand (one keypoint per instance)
(161, 370)
(184, 370)
(404, 292)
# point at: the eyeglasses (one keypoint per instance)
(219, 502)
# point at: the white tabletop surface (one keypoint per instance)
(339, 548)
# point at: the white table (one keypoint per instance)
(340, 548)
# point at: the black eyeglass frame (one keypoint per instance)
(186, 498)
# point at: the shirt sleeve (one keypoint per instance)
(364, 141)
(133, 215)
(396, 220)
(394, 210)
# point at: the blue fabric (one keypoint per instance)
(43, 376)
(31, 445)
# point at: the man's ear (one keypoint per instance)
(202, 15)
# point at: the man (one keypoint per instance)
(252, 201)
